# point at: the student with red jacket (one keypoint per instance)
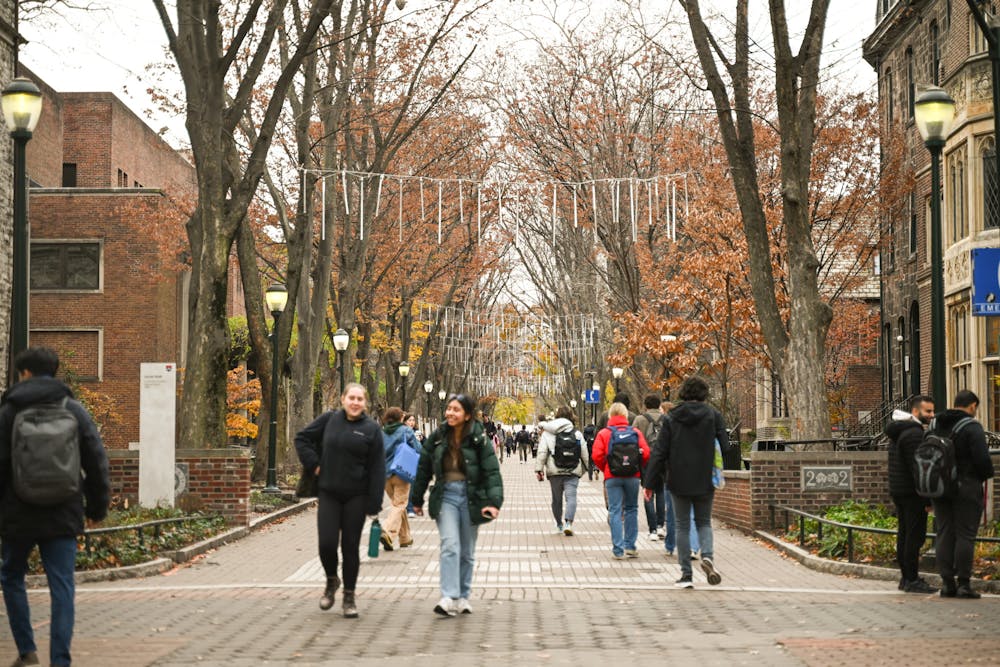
(621, 451)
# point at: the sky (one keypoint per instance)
(113, 49)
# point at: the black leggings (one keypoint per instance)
(340, 522)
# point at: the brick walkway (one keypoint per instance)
(539, 598)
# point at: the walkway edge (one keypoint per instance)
(859, 570)
(172, 558)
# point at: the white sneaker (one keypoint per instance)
(559, 529)
(653, 536)
(411, 515)
(661, 532)
(446, 607)
(464, 607)
(568, 529)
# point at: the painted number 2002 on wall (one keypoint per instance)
(826, 478)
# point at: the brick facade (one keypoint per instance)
(775, 478)
(218, 481)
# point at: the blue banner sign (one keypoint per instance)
(592, 396)
(986, 281)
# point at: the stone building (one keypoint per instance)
(9, 39)
(937, 42)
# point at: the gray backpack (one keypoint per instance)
(45, 453)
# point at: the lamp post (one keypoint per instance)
(593, 406)
(428, 388)
(404, 370)
(276, 298)
(934, 111)
(21, 102)
(341, 341)
(617, 373)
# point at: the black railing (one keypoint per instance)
(850, 528)
(873, 425)
(836, 444)
(139, 528)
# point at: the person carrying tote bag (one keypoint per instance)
(401, 447)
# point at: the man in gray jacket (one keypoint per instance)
(562, 457)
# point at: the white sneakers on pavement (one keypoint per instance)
(464, 607)
(446, 607)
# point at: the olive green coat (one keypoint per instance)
(482, 472)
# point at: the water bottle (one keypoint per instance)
(374, 538)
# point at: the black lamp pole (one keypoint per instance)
(276, 298)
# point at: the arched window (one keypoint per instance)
(958, 222)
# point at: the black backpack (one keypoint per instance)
(566, 452)
(935, 468)
(655, 424)
(45, 453)
(624, 456)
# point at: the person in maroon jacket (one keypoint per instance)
(621, 478)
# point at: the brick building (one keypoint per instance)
(106, 210)
(937, 42)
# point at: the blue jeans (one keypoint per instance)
(623, 496)
(670, 541)
(59, 560)
(458, 542)
(655, 510)
(564, 484)
(702, 508)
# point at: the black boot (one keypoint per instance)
(350, 610)
(964, 590)
(332, 584)
(948, 587)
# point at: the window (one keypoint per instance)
(74, 265)
(889, 96)
(890, 245)
(914, 341)
(992, 336)
(991, 187)
(977, 40)
(911, 92)
(779, 404)
(935, 55)
(958, 322)
(69, 175)
(903, 361)
(887, 358)
(958, 223)
(947, 15)
(913, 223)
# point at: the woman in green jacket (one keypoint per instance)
(468, 491)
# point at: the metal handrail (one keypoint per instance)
(140, 527)
(821, 521)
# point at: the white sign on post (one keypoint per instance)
(157, 412)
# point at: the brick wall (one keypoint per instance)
(775, 477)
(864, 385)
(218, 480)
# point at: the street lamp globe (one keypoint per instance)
(572, 403)
(276, 297)
(404, 369)
(341, 339)
(442, 394)
(428, 386)
(596, 386)
(21, 101)
(934, 112)
(617, 372)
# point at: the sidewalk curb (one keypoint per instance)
(171, 558)
(859, 570)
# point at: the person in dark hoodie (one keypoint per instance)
(958, 516)
(52, 527)
(396, 434)
(685, 453)
(345, 448)
(906, 431)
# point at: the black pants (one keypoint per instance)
(957, 525)
(340, 522)
(911, 533)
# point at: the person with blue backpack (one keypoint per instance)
(402, 451)
(621, 452)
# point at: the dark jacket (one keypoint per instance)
(349, 454)
(19, 520)
(905, 434)
(484, 484)
(600, 454)
(685, 450)
(972, 456)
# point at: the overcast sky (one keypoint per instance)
(110, 50)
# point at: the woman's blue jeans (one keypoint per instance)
(623, 512)
(59, 560)
(458, 542)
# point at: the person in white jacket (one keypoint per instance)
(563, 464)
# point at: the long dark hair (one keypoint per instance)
(468, 404)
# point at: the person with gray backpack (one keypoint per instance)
(53, 473)
(562, 458)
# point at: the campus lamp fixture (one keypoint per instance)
(341, 341)
(21, 102)
(428, 388)
(617, 373)
(276, 298)
(404, 370)
(934, 112)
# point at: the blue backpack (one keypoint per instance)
(624, 455)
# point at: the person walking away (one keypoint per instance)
(905, 432)
(589, 433)
(958, 516)
(602, 421)
(396, 434)
(562, 458)
(621, 452)
(345, 448)
(685, 454)
(467, 492)
(649, 424)
(523, 439)
(47, 514)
